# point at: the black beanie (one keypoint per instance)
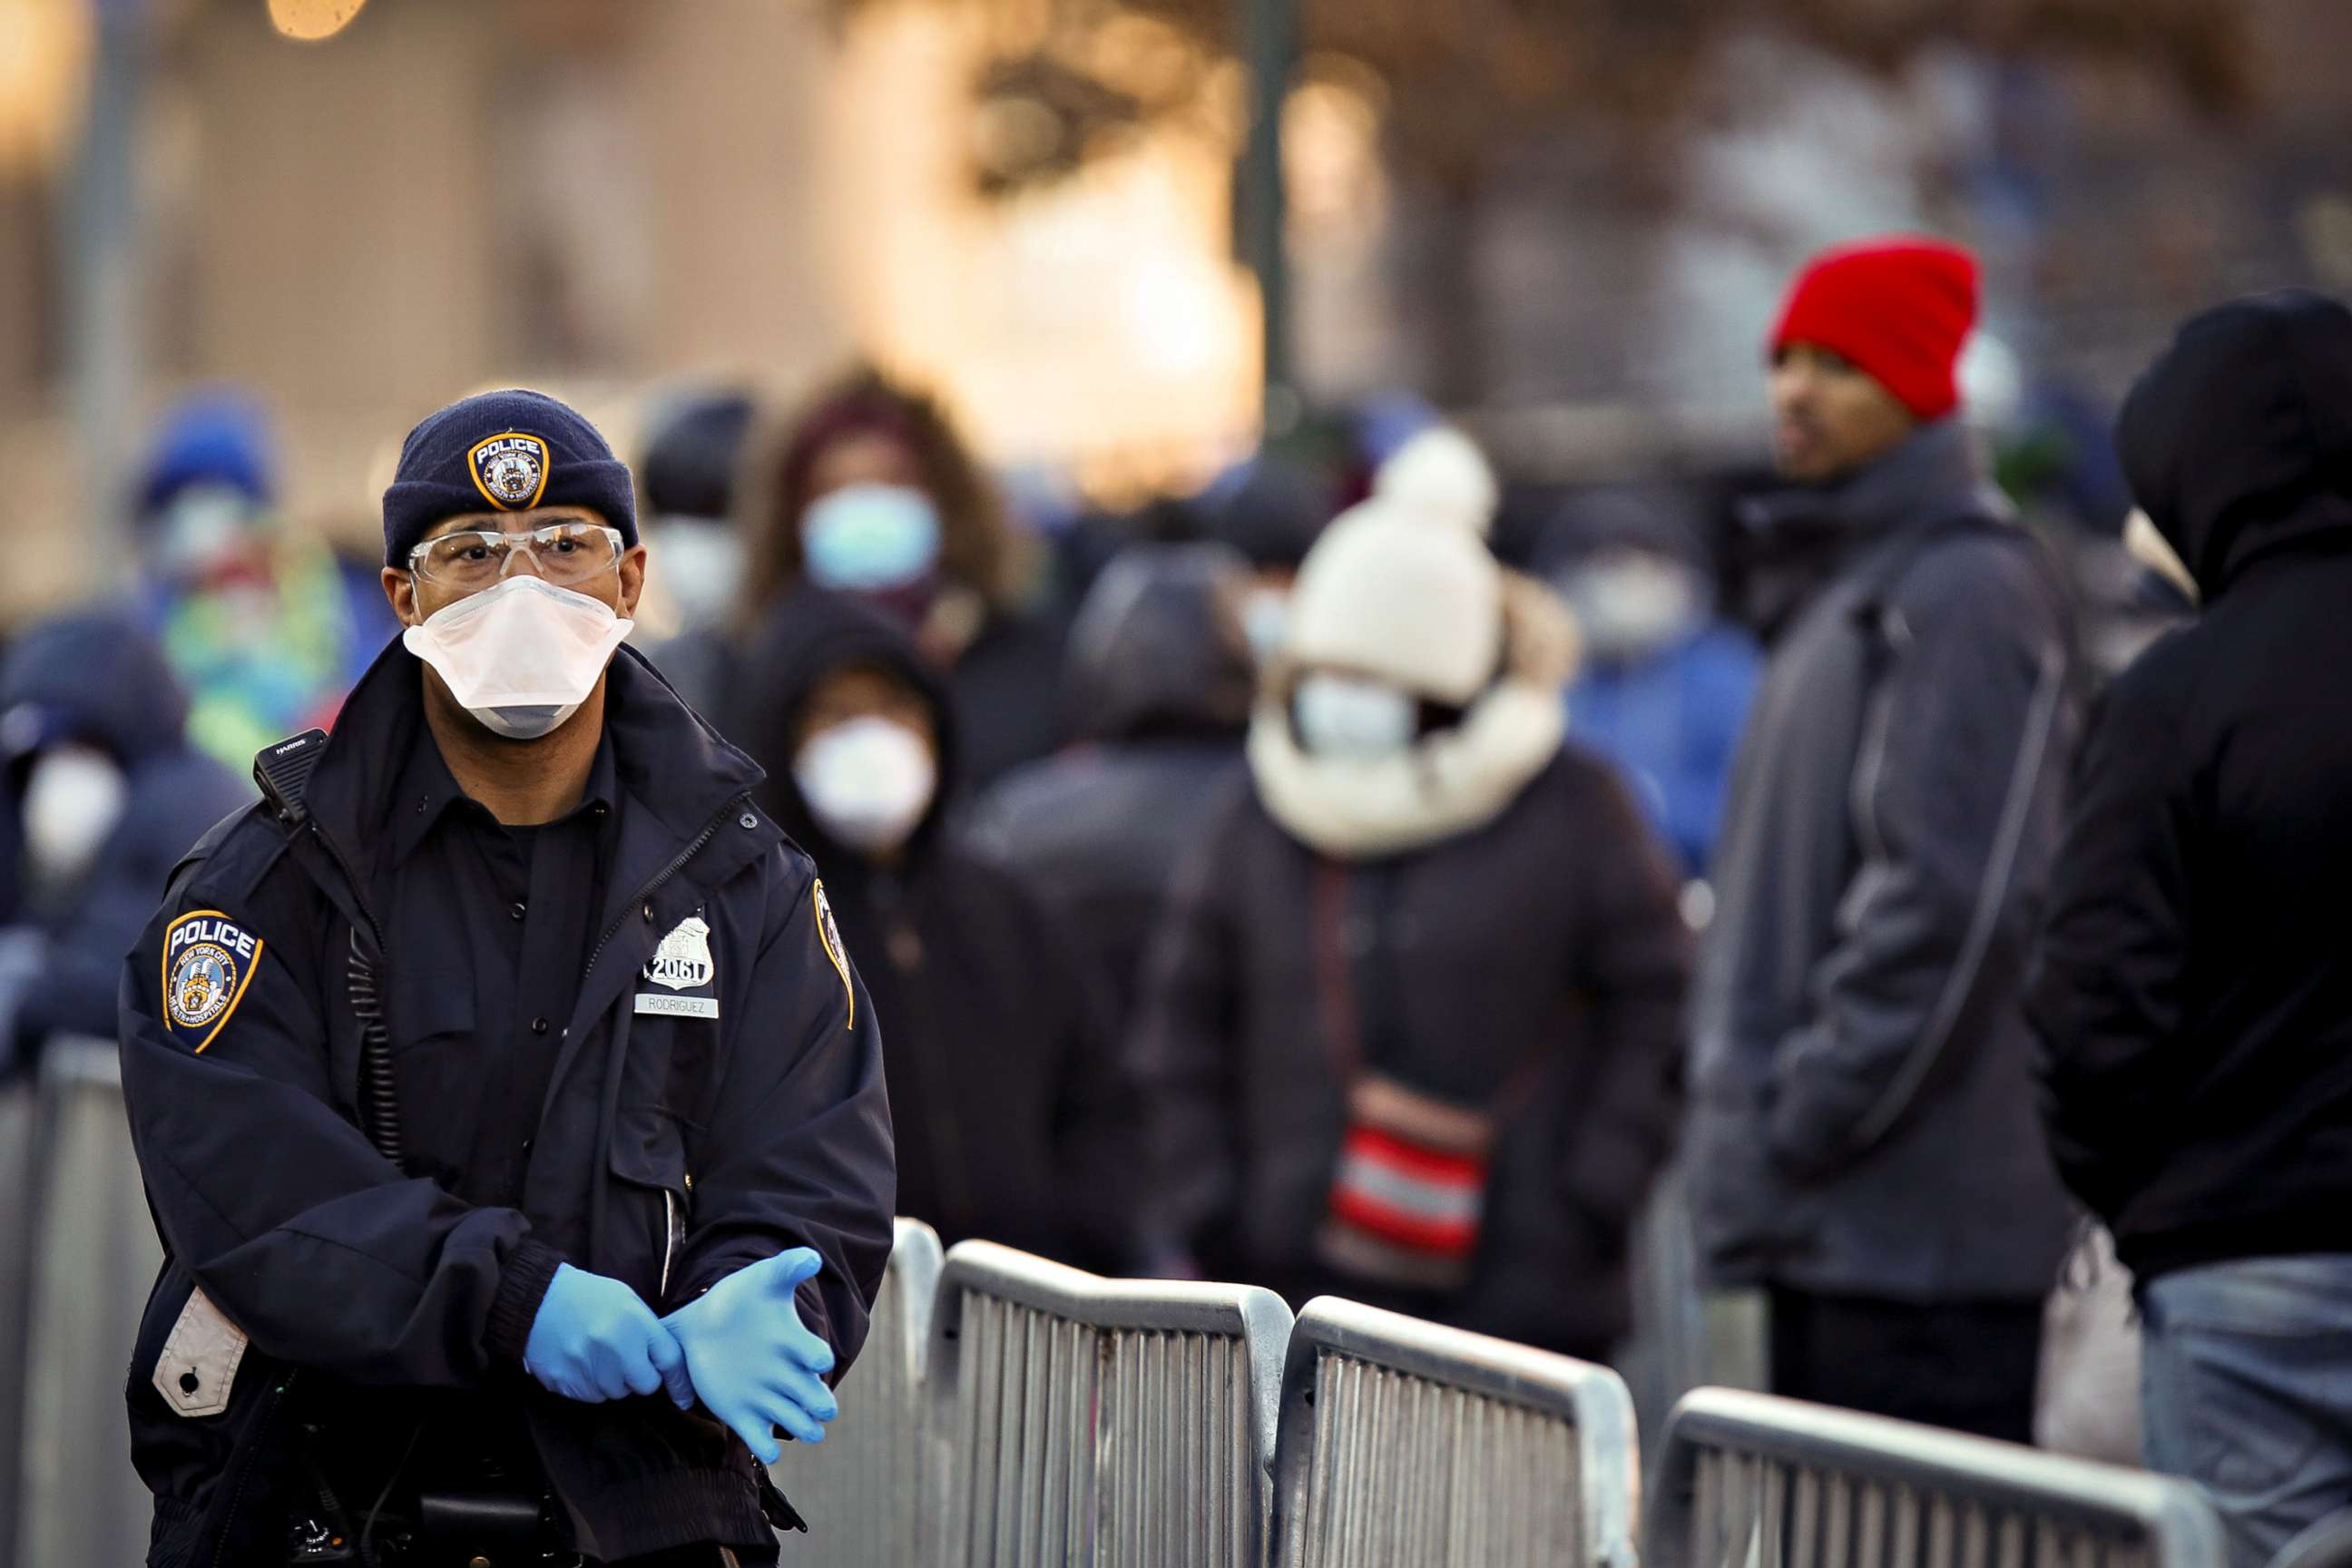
(502, 451)
(688, 466)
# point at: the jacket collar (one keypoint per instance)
(1934, 475)
(428, 783)
(674, 770)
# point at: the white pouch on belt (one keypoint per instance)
(199, 1362)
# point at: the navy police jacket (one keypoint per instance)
(309, 1278)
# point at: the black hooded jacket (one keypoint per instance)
(1017, 1118)
(1160, 680)
(95, 678)
(2189, 991)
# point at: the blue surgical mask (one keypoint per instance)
(1352, 718)
(864, 538)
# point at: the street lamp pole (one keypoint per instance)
(105, 294)
(1270, 51)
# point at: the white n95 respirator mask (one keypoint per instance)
(867, 782)
(521, 657)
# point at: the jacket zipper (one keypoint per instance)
(645, 894)
(252, 1456)
(642, 896)
(669, 1240)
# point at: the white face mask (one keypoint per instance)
(1632, 604)
(73, 798)
(867, 782)
(204, 528)
(521, 657)
(700, 564)
(1349, 716)
(1265, 618)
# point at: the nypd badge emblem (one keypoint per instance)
(509, 469)
(828, 936)
(682, 960)
(208, 962)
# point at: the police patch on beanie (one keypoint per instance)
(509, 469)
(502, 451)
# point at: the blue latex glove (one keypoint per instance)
(594, 1340)
(755, 1365)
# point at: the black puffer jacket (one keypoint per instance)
(1533, 967)
(2191, 991)
(1017, 1118)
(1160, 682)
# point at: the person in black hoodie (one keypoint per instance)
(1160, 680)
(108, 794)
(1017, 1118)
(2189, 991)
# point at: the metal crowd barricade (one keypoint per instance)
(2327, 1544)
(94, 1255)
(866, 1490)
(1752, 1481)
(19, 1106)
(1114, 1423)
(1405, 1445)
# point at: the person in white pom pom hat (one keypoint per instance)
(1412, 1018)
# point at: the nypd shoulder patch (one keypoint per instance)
(208, 962)
(828, 936)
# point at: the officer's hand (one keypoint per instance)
(594, 1340)
(753, 1364)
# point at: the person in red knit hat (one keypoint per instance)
(1863, 1142)
(1867, 347)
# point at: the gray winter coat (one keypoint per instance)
(1862, 1119)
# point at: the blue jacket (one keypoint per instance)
(1672, 721)
(668, 1148)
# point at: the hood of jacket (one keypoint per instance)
(809, 634)
(1158, 648)
(2238, 440)
(92, 675)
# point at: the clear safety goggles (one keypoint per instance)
(562, 553)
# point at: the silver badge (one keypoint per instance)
(682, 960)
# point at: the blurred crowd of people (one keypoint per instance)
(1363, 878)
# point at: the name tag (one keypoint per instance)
(676, 1006)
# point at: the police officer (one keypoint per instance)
(512, 1118)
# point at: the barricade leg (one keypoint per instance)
(98, 1255)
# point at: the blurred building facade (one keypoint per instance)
(599, 194)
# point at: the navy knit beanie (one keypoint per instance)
(502, 451)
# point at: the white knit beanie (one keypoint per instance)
(1410, 597)
(1442, 474)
